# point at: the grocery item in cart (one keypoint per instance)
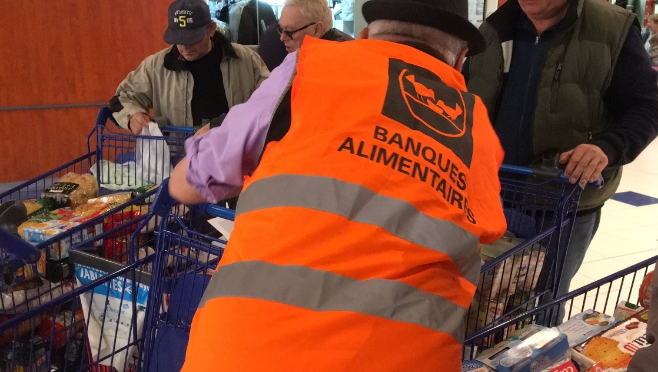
(581, 327)
(29, 354)
(645, 290)
(118, 198)
(18, 298)
(541, 350)
(615, 346)
(72, 190)
(62, 327)
(517, 272)
(484, 311)
(626, 310)
(110, 315)
(38, 206)
(475, 366)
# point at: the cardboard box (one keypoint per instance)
(541, 350)
(583, 326)
(615, 347)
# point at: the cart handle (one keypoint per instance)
(548, 173)
(20, 252)
(105, 114)
(163, 202)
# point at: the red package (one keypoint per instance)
(63, 327)
(567, 366)
(123, 218)
(9, 335)
(645, 290)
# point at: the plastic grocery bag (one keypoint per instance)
(152, 155)
(114, 324)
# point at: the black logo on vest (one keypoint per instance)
(419, 99)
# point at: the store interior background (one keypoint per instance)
(64, 59)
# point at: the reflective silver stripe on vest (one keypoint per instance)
(360, 204)
(325, 291)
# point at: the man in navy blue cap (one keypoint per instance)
(193, 82)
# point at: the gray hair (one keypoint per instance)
(314, 11)
(443, 44)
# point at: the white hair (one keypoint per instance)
(443, 44)
(315, 11)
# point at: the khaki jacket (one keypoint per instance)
(168, 92)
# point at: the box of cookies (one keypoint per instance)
(614, 347)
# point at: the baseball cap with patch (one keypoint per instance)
(187, 22)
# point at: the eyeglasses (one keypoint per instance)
(290, 33)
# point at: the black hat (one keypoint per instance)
(187, 22)
(449, 16)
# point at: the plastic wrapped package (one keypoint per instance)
(72, 190)
(30, 295)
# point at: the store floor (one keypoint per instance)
(628, 232)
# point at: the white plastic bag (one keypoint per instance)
(152, 155)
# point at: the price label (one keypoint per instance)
(62, 187)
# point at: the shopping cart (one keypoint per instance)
(95, 325)
(603, 296)
(521, 270)
(21, 291)
(184, 262)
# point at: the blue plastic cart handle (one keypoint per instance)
(105, 114)
(527, 171)
(18, 248)
(171, 128)
(163, 202)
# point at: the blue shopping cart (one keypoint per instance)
(105, 146)
(38, 279)
(93, 323)
(602, 296)
(522, 269)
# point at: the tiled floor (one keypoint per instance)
(628, 234)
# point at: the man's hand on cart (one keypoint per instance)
(584, 160)
(138, 122)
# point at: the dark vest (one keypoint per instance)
(577, 71)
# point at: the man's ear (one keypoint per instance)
(212, 27)
(320, 29)
(364, 33)
(460, 59)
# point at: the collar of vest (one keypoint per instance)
(506, 18)
(174, 62)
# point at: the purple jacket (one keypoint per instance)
(218, 160)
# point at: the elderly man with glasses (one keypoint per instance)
(299, 18)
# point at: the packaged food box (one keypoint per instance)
(518, 334)
(581, 327)
(538, 351)
(615, 347)
(515, 273)
(626, 310)
(50, 229)
(474, 366)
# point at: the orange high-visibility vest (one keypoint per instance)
(355, 247)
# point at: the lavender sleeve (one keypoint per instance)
(219, 160)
